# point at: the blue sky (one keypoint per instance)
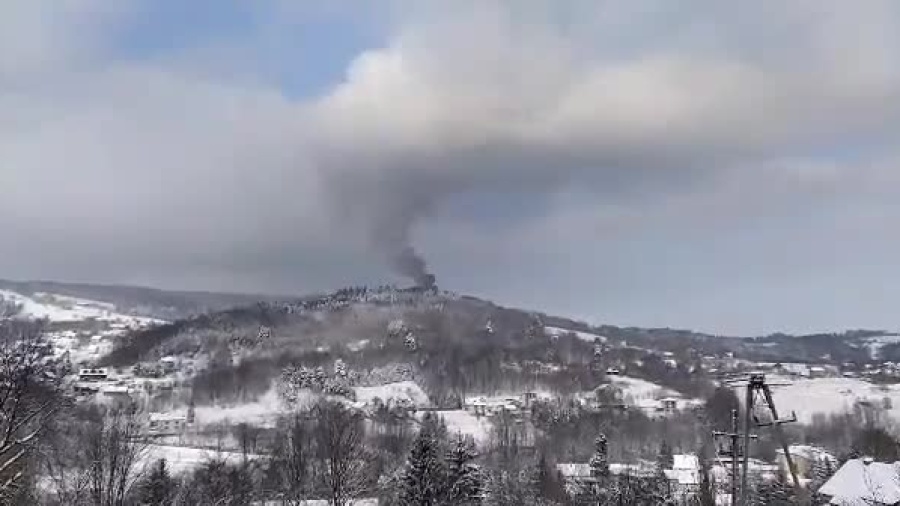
(723, 166)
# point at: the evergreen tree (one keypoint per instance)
(600, 460)
(424, 480)
(601, 488)
(159, 488)
(665, 459)
(464, 480)
(822, 471)
(777, 492)
(547, 481)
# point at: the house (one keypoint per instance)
(165, 424)
(576, 476)
(155, 385)
(805, 458)
(863, 482)
(684, 476)
(756, 469)
(169, 364)
(93, 374)
(817, 372)
(663, 407)
(117, 395)
(319, 502)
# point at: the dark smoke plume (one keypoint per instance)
(407, 262)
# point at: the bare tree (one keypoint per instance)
(290, 465)
(339, 438)
(29, 396)
(97, 458)
(114, 449)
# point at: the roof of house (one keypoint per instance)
(686, 461)
(861, 482)
(809, 452)
(166, 417)
(574, 470)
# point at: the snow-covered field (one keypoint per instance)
(809, 397)
(636, 388)
(467, 424)
(60, 308)
(182, 459)
(584, 336)
(874, 344)
(407, 391)
(266, 410)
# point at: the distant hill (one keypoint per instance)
(151, 302)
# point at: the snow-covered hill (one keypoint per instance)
(584, 336)
(826, 396)
(61, 308)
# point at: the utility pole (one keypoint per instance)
(757, 385)
(734, 451)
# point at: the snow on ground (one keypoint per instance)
(874, 344)
(467, 424)
(358, 345)
(641, 389)
(181, 459)
(404, 390)
(59, 308)
(321, 502)
(808, 397)
(584, 336)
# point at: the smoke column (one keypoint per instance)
(409, 263)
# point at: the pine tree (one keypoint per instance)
(822, 471)
(464, 480)
(776, 492)
(600, 460)
(547, 482)
(159, 488)
(424, 480)
(665, 459)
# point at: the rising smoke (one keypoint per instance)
(409, 263)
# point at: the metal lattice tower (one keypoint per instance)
(759, 394)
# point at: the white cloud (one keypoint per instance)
(154, 170)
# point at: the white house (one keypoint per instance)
(805, 458)
(684, 477)
(166, 424)
(862, 482)
(93, 374)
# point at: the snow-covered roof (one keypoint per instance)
(860, 483)
(166, 417)
(686, 461)
(574, 470)
(683, 476)
(809, 452)
(114, 389)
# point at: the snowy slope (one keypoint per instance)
(407, 391)
(467, 424)
(584, 336)
(874, 344)
(60, 308)
(181, 460)
(637, 388)
(833, 396)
